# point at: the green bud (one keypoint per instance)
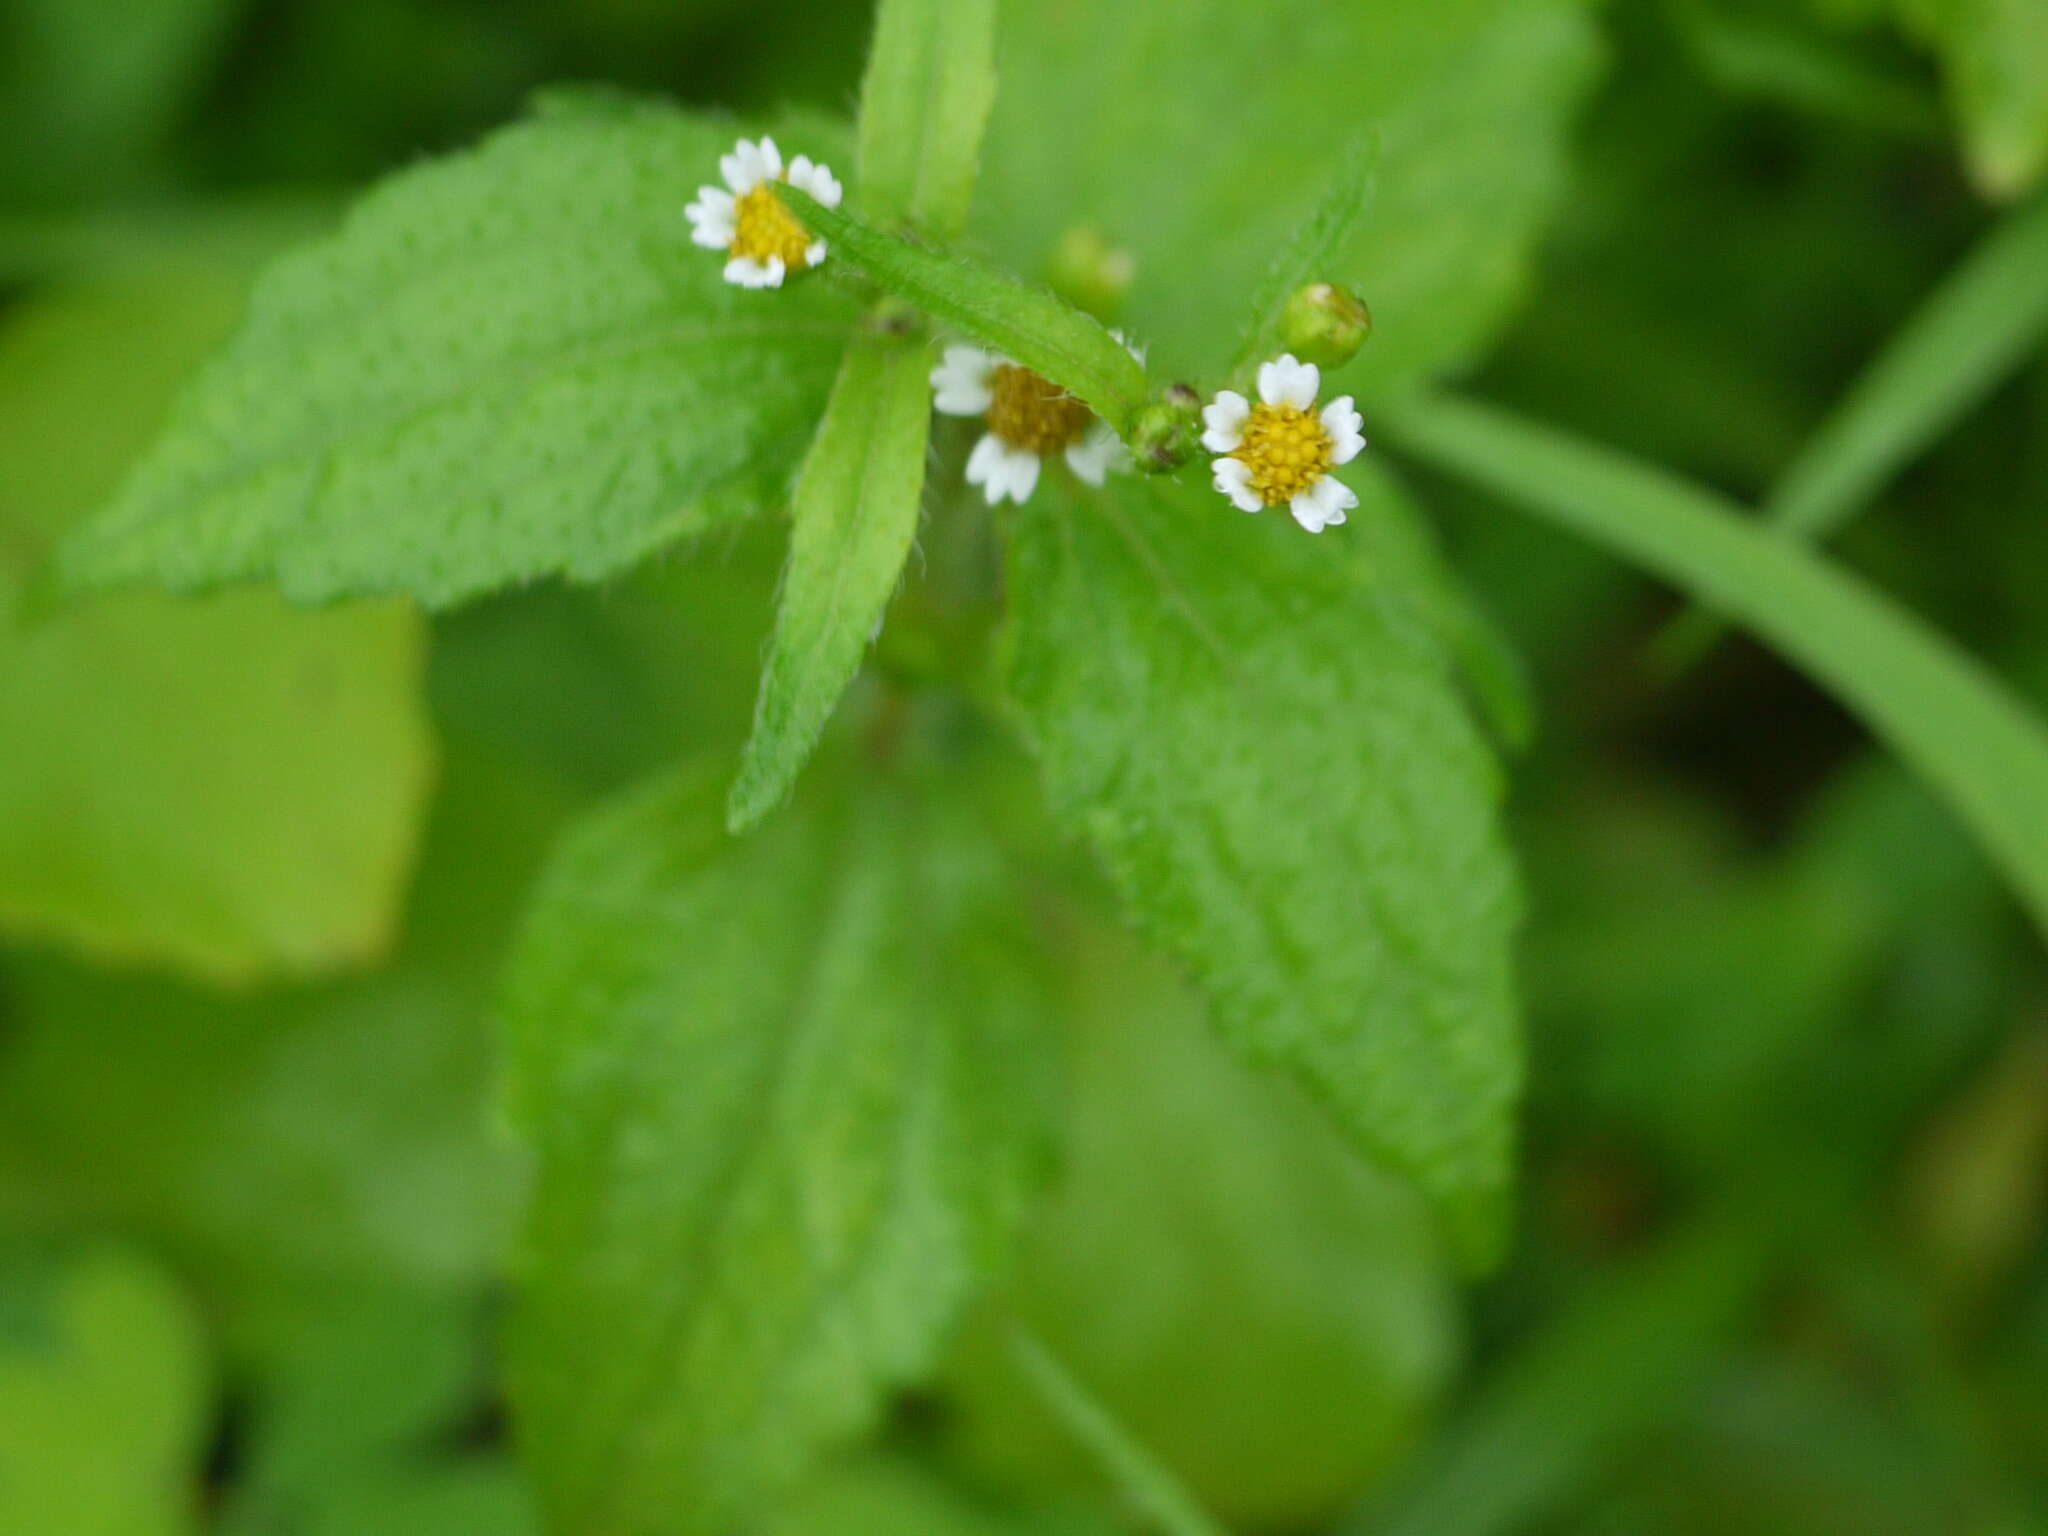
(1325, 325)
(1090, 273)
(1167, 429)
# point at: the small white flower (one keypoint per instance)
(1280, 452)
(745, 218)
(1030, 420)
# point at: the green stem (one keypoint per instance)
(1152, 1491)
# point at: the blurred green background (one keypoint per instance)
(1780, 1264)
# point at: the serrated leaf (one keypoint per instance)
(104, 1398)
(1199, 136)
(781, 1097)
(1035, 328)
(930, 83)
(511, 363)
(1260, 735)
(228, 787)
(855, 517)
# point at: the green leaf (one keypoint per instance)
(1315, 252)
(886, 1496)
(1976, 744)
(782, 1097)
(930, 84)
(1994, 54)
(509, 364)
(856, 515)
(229, 787)
(1200, 136)
(1987, 317)
(1041, 332)
(104, 1399)
(1259, 732)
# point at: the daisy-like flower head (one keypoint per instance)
(751, 224)
(1030, 419)
(1280, 452)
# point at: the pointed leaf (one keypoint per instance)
(1260, 733)
(930, 84)
(856, 514)
(510, 363)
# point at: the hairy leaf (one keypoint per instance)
(781, 1096)
(856, 514)
(229, 787)
(930, 84)
(1200, 136)
(1260, 733)
(1038, 330)
(509, 364)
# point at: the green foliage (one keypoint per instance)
(1261, 737)
(856, 512)
(287, 753)
(105, 1389)
(1200, 1204)
(930, 84)
(1199, 135)
(1976, 743)
(1994, 55)
(508, 364)
(1316, 251)
(1031, 326)
(782, 1099)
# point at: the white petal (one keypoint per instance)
(960, 384)
(1226, 417)
(742, 168)
(1233, 477)
(1284, 381)
(712, 223)
(771, 160)
(983, 463)
(1023, 467)
(800, 170)
(814, 254)
(1097, 454)
(1323, 504)
(1346, 429)
(1136, 350)
(750, 273)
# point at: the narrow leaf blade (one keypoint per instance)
(1976, 744)
(1043, 333)
(1316, 254)
(930, 85)
(1260, 733)
(856, 515)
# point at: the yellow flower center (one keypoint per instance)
(763, 227)
(1033, 413)
(1287, 450)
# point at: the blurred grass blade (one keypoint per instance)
(1032, 327)
(1978, 745)
(855, 517)
(930, 84)
(1314, 253)
(1553, 1414)
(1153, 1493)
(1983, 321)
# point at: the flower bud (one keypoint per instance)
(1325, 324)
(1166, 431)
(1090, 273)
